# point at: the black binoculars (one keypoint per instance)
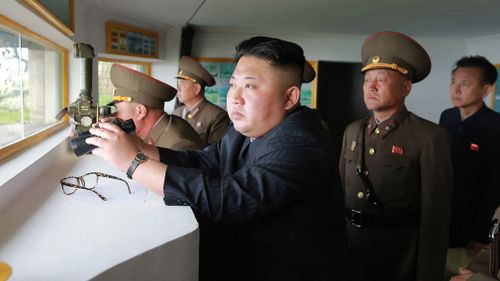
(79, 145)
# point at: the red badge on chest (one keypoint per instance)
(474, 147)
(397, 150)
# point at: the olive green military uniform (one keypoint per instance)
(398, 211)
(174, 133)
(209, 120)
(169, 131)
(409, 166)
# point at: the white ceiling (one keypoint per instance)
(421, 18)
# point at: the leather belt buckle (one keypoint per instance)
(357, 218)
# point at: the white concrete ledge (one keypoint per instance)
(47, 235)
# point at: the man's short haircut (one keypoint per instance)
(489, 72)
(279, 53)
(244, 46)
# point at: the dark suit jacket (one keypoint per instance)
(409, 166)
(476, 163)
(271, 209)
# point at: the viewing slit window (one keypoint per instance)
(31, 84)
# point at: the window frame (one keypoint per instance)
(28, 141)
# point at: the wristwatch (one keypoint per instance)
(139, 159)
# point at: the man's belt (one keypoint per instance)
(361, 219)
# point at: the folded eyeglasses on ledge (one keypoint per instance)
(70, 185)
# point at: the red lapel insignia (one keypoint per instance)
(474, 147)
(397, 150)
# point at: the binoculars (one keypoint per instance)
(79, 145)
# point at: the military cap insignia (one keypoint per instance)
(375, 59)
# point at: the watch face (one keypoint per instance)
(141, 156)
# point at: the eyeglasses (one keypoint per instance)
(70, 185)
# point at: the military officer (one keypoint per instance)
(141, 98)
(396, 170)
(209, 120)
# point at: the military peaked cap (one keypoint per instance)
(190, 69)
(137, 87)
(398, 52)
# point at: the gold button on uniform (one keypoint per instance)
(371, 151)
(360, 195)
(377, 131)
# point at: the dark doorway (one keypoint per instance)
(340, 97)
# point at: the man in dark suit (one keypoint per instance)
(396, 170)
(266, 196)
(475, 132)
(209, 120)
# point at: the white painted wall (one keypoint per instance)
(487, 46)
(428, 98)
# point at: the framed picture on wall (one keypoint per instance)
(495, 96)
(59, 13)
(122, 39)
(222, 69)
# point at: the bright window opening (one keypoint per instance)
(32, 84)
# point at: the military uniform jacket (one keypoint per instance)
(409, 166)
(476, 164)
(209, 120)
(174, 133)
(271, 209)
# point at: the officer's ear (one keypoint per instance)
(197, 87)
(407, 84)
(141, 111)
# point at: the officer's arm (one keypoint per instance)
(218, 128)
(436, 188)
